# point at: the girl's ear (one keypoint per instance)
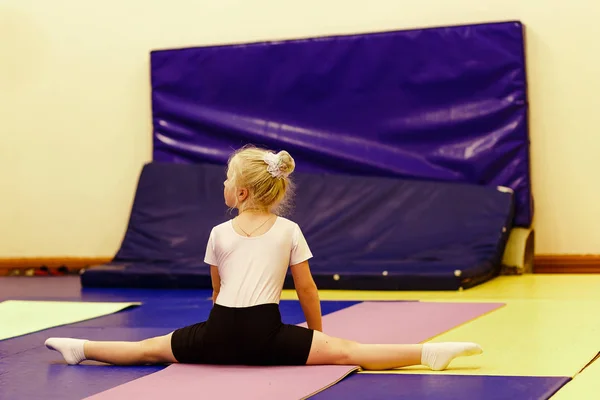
(242, 194)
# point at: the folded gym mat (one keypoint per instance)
(412, 235)
(386, 323)
(22, 317)
(435, 387)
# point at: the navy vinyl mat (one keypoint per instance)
(442, 387)
(416, 238)
(29, 371)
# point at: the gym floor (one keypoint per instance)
(546, 335)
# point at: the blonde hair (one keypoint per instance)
(265, 174)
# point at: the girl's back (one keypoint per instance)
(252, 268)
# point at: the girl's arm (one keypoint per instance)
(308, 295)
(216, 282)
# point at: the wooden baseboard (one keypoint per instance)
(566, 264)
(72, 264)
(543, 264)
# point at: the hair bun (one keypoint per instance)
(286, 162)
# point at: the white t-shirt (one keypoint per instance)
(253, 269)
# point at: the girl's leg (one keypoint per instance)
(155, 350)
(330, 350)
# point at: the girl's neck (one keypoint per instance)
(254, 213)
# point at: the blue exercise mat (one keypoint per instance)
(442, 387)
(365, 232)
(29, 371)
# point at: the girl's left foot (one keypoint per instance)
(71, 349)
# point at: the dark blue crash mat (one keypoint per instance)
(365, 232)
(442, 387)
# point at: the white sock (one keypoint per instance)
(71, 349)
(438, 356)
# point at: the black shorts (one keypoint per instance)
(242, 336)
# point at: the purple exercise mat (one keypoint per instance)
(409, 322)
(229, 382)
(371, 322)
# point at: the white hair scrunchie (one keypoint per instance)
(273, 162)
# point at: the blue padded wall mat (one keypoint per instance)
(365, 233)
(444, 103)
(442, 387)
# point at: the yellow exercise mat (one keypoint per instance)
(518, 287)
(585, 385)
(527, 338)
(22, 317)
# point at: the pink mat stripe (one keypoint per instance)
(181, 382)
(370, 322)
(401, 322)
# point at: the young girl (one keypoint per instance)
(249, 257)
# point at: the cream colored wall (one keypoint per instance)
(75, 108)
